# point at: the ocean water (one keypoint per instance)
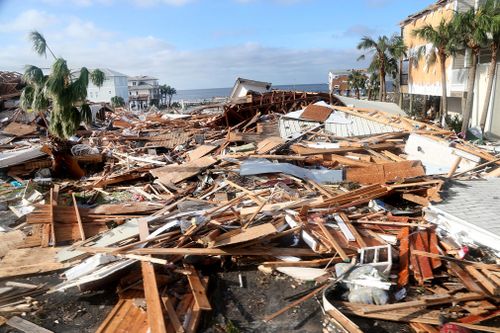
(209, 94)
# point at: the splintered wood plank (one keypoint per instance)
(247, 235)
(404, 271)
(174, 319)
(78, 218)
(125, 317)
(342, 319)
(51, 217)
(492, 288)
(423, 262)
(19, 262)
(172, 174)
(200, 151)
(199, 294)
(26, 326)
(194, 321)
(382, 173)
(332, 241)
(434, 249)
(419, 200)
(155, 312)
(425, 301)
(467, 280)
(359, 239)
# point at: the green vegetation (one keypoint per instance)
(443, 46)
(117, 101)
(386, 54)
(167, 93)
(66, 91)
(357, 81)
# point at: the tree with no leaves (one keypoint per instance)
(64, 89)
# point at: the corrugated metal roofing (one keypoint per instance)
(338, 123)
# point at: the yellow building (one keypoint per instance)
(418, 77)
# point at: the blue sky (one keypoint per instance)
(201, 43)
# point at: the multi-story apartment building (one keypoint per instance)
(420, 77)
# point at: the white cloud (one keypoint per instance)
(31, 19)
(85, 30)
(83, 43)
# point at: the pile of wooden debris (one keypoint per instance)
(326, 193)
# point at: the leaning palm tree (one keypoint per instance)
(64, 90)
(357, 81)
(490, 21)
(471, 34)
(441, 39)
(379, 49)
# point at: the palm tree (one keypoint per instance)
(117, 101)
(379, 48)
(397, 51)
(490, 22)
(357, 81)
(471, 34)
(171, 91)
(441, 38)
(62, 88)
(163, 94)
(373, 85)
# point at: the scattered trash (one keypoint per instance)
(280, 181)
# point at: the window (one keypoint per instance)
(405, 70)
(134, 83)
(110, 92)
(459, 60)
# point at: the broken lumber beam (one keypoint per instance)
(155, 311)
(436, 299)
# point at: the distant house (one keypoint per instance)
(143, 91)
(243, 86)
(115, 84)
(338, 82)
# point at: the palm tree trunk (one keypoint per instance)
(489, 87)
(357, 93)
(471, 80)
(382, 83)
(444, 100)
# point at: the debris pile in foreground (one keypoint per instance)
(357, 202)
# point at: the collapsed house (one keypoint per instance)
(384, 217)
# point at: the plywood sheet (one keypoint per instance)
(387, 172)
(21, 262)
(19, 129)
(316, 113)
(172, 174)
